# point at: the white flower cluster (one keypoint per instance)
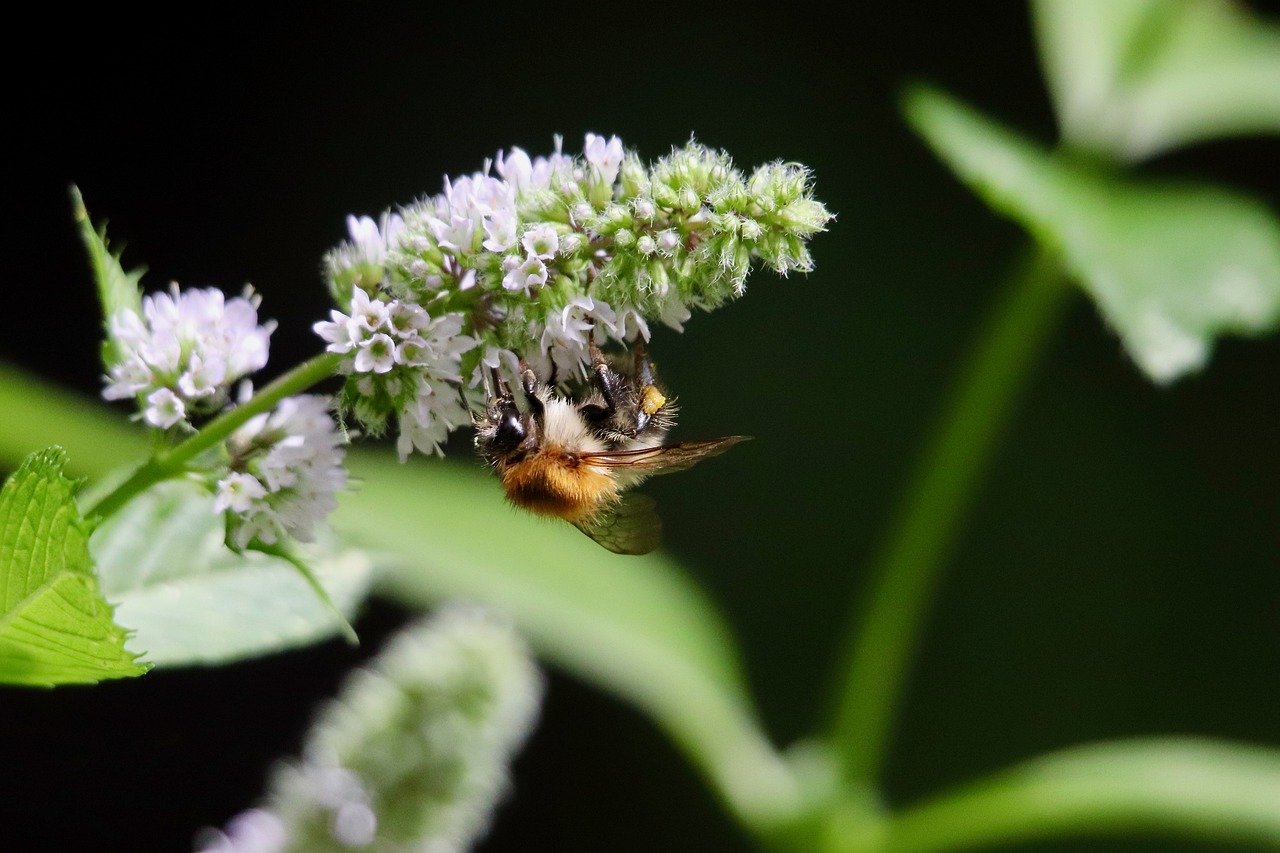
(401, 358)
(534, 256)
(412, 755)
(180, 356)
(286, 468)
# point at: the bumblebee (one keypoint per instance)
(579, 459)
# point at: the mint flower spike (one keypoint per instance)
(535, 258)
(284, 472)
(182, 353)
(412, 755)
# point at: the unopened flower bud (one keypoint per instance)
(668, 241)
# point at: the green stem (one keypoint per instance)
(880, 646)
(1174, 787)
(173, 462)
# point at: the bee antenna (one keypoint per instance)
(491, 381)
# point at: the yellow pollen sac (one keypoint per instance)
(652, 401)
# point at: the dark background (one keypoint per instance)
(1119, 576)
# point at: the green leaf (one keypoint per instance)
(1170, 266)
(191, 600)
(117, 290)
(55, 628)
(1136, 77)
(1175, 787)
(636, 626)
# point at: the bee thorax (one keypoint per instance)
(563, 425)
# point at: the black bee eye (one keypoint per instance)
(510, 432)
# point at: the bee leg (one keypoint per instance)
(529, 385)
(616, 418)
(644, 372)
(654, 410)
(528, 379)
(609, 388)
(608, 383)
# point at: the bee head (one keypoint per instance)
(504, 430)
(509, 427)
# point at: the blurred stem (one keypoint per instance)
(1172, 787)
(881, 645)
(173, 462)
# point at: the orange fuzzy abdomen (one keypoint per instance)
(559, 484)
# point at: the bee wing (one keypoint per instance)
(630, 526)
(666, 459)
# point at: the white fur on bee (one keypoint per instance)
(563, 425)
(644, 441)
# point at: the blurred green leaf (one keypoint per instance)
(289, 552)
(55, 628)
(1170, 266)
(1136, 77)
(117, 289)
(636, 626)
(96, 439)
(191, 600)
(1174, 787)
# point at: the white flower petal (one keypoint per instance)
(164, 409)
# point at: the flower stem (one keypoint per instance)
(1187, 788)
(881, 645)
(171, 463)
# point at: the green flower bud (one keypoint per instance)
(687, 200)
(665, 196)
(633, 177)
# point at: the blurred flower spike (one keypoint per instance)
(533, 256)
(414, 752)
